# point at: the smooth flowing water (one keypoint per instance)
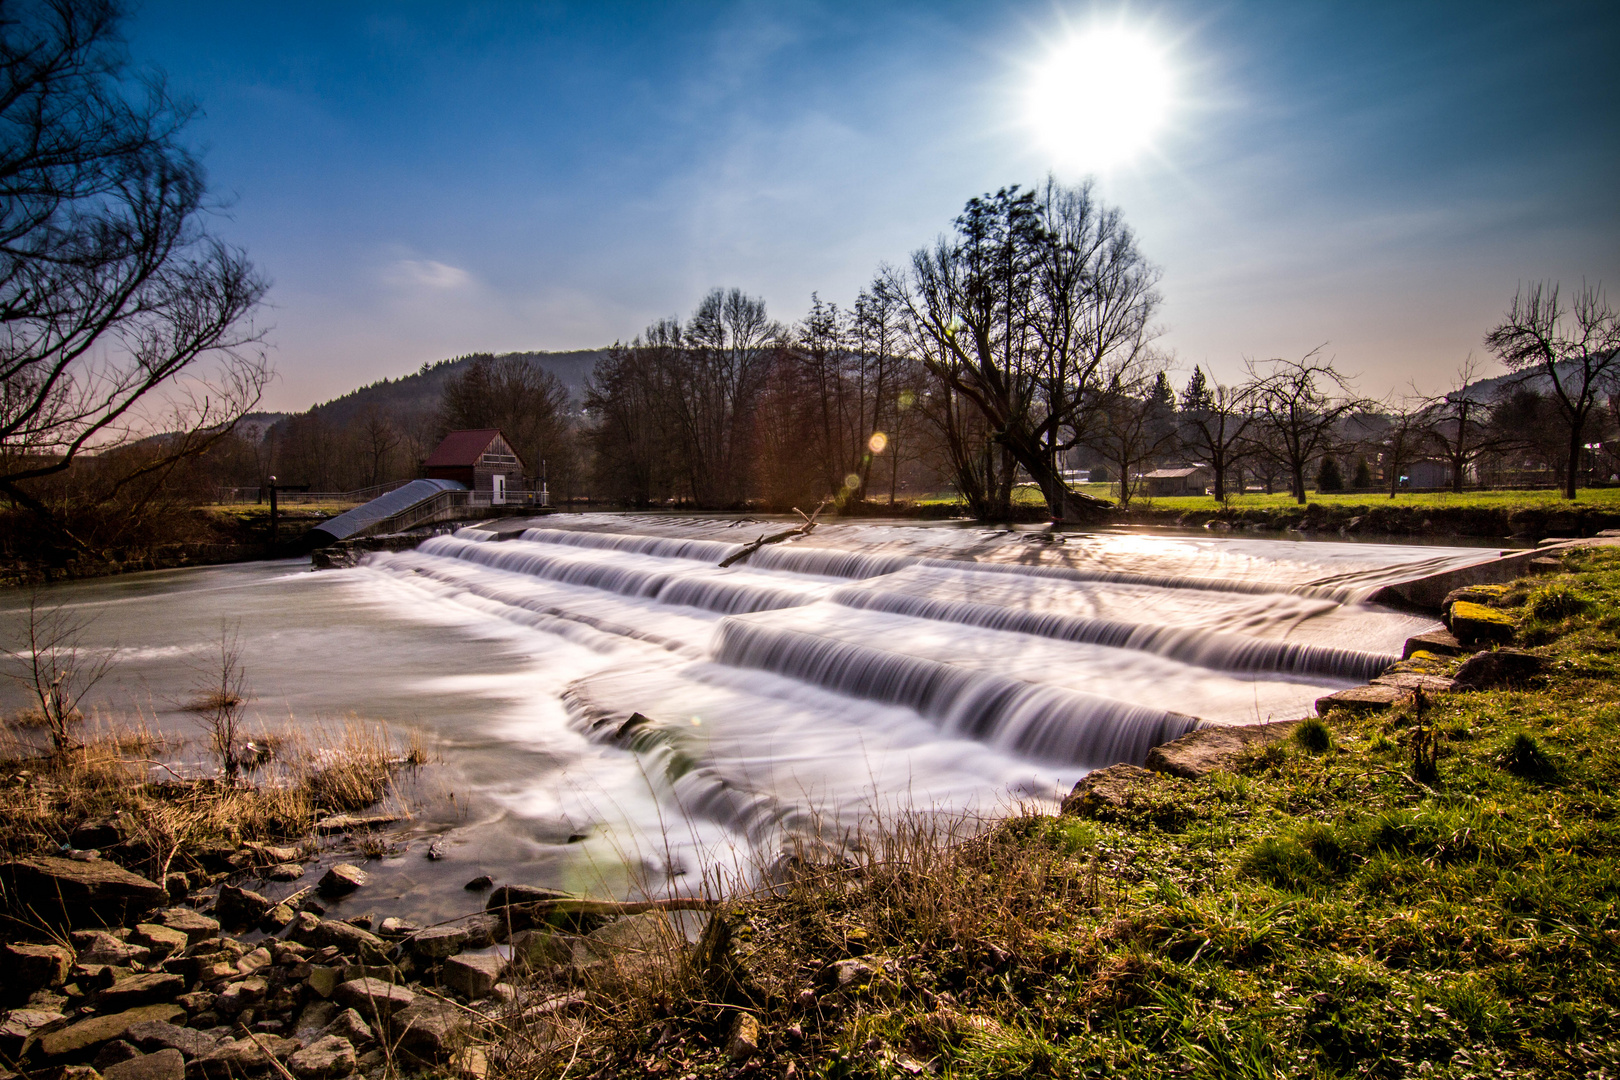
(617, 714)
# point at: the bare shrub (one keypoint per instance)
(220, 701)
(57, 670)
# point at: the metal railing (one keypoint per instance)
(239, 495)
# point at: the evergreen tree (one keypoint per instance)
(1196, 398)
(1328, 477)
(1364, 476)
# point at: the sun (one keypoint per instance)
(1098, 98)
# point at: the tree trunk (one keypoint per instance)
(1297, 478)
(1572, 470)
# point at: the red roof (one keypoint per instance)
(461, 448)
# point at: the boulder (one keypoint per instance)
(347, 939)
(73, 893)
(536, 949)
(473, 975)
(1209, 749)
(373, 997)
(34, 967)
(326, 1058)
(239, 1057)
(508, 895)
(112, 1053)
(350, 1025)
(155, 1035)
(1474, 623)
(140, 990)
(743, 1042)
(437, 942)
(164, 941)
(428, 1027)
(195, 925)
(19, 1026)
(1435, 642)
(78, 1040)
(240, 995)
(1473, 594)
(1414, 680)
(396, 927)
(1112, 788)
(1498, 668)
(162, 1065)
(342, 879)
(96, 947)
(1362, 699)
(287, 871)
(322, 980)
(237, 906)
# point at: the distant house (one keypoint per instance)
(1191, 480)
(481, 459)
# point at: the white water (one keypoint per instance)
(617, 713)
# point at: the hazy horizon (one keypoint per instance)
(423, 183)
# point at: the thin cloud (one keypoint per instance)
(426, 274)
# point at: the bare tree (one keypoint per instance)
(1575, 348)
(1296, 404)
(1215, 425)
(1132, 426)
(527, 403)
(57, 669)
(1408, 427)
(378, 437)
(1460, 428)
(1027, 313)
(113, 296)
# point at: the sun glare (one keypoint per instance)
(1098, 98)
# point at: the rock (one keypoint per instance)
(394, 927)
(373, 996)
(536, 949)
(112, 1053)
(342, 879)
(177, 886)
(77, 1040)
(162, 1065)
(1413, 680)
(472, 975)
(437, 942)
(744, 1041)
(19, 1025)
(338, 823)
(507, 895)
(253, 961)
(1113, 788)
(139, 990)
(237, 906)
(1206, 750)
(1473, 594)
(195, 925)
(276, 918)
(1497, 668)
(1546, 564)
(1473, 623)
(427, 1027)
(240, 995)
(99, 948)
(106, 833)
(197, 1001)
(154, 1035)
(350, 1025)
(237, 1057)
(71, 893)
(479, 883)
(470, 1063)
(33, 967)
(162, 940)
(322, 980)
(847, 975)
(287, 871)
(1361, 699)
(70, 1072)
(348, 939)
(326, 1058)
(1437, 642)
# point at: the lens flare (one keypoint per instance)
(878, 443)
(1099, 98)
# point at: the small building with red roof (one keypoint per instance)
(481, 459)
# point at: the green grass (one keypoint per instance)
(1316, 913)
(1606, 498)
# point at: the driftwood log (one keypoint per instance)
(803, 529)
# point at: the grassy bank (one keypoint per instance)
(1313, 912)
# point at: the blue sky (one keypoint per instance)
(423, 180)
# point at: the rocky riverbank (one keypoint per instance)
(1373, 519)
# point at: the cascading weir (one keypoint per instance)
(1045, 722)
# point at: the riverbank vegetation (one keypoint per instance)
(1330, 905)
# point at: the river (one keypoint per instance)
(611, 713)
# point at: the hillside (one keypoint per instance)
(420, 391)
